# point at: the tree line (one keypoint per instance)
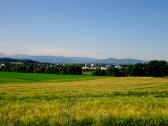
(42, 68)
(153, 68)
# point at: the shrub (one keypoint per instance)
(72, 69)
(99, 72)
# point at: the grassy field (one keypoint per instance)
(51, 100)
(6, 77)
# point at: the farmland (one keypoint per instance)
(48, 99)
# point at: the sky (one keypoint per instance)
(85, 28)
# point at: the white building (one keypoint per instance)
(2, 64)
(118, 66)
(85, 67)
(103, 68)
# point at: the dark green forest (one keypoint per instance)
(154, 68)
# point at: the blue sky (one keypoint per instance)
(87, 28)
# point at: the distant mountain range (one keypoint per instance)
(74, 60)
(17, 61)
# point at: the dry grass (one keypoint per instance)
(89, 100)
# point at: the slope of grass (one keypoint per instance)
(107, 101)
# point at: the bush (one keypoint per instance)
(115, 72)
(72, 69)
(157, 68)
(136, 70)
(99, 72)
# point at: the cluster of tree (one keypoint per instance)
(72, 69)
(42, 68)
(153, 68)
(110, 72)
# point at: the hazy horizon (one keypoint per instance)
(20, 56)
(85, 28)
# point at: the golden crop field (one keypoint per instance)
(98, 101)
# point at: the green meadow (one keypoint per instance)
(82, 100)
(12, 77)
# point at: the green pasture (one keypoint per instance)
(12, 77)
